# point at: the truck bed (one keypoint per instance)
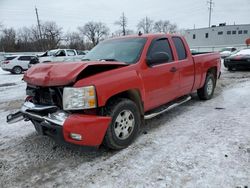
(204, 61)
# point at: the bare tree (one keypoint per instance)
(1, 26)
(173, 28)
(51, 35)
(94, 31)
(24, 40)
(164, 26)
(8, 39)
(146, 24)
(75, 41)
(119, 33)
(123, 23)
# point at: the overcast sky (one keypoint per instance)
(70, 14)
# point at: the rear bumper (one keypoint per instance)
(6, 69)
(60, 125)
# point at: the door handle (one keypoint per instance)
(173, 69)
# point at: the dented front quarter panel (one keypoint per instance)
(113, 82)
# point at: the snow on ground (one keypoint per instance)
(198, 144)
(11, 86)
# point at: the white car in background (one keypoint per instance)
(61, 55)
(16, 64)
(225, 52)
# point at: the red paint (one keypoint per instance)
(92, 128)
(58, 73)
(156, 85)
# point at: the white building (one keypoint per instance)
(217, 37)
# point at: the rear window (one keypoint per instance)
(180, 48)
(10, 58)
(25, 58)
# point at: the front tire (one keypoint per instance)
(125, 123)
(207, 91)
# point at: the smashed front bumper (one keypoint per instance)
(75, 128)
(33, 111)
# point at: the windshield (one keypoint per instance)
(51, 52)
(126, 50)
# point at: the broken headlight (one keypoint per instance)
(79, 98)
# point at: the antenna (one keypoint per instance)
(210, 8)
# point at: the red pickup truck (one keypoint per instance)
(121, 82)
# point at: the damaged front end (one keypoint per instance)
(42, 104)
(44, 108)
(36, 112)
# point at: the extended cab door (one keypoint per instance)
(186, 65)
(161, 81)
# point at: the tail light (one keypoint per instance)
(28, 99)
(6, 62)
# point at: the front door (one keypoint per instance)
(161, 81)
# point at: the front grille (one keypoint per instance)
(46, 95)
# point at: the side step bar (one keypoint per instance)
(167, 108)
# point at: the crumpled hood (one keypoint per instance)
(64, 73)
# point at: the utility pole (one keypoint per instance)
(146, 25)
(39, 26)
(210, 8)
(123, 24)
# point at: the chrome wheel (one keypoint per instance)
(124, 124)
(210, 86)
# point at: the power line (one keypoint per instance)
(210, 8)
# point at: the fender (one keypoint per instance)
(113, 82)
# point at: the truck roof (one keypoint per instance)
(149, 36)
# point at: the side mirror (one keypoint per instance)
(157, 58)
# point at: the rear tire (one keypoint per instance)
(125, 123)
(207, 91)
(17, 70)
(229, 68)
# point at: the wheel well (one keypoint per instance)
(213, 70)
(17, 66)
(133, 94)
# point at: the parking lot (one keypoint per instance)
(198, 144)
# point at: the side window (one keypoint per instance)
(79, 52)
(161, 45)
(24, 58)
(60, 53)
(71, 52)
(180, 48)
